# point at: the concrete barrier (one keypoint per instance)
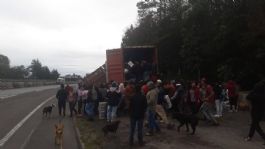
(9, 84)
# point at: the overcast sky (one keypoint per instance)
(68, 35)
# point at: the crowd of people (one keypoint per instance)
(153, 100)
(139, 70)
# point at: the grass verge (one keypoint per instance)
(91, 133)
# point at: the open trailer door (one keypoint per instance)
(114, 65)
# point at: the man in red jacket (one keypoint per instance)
(144, 89)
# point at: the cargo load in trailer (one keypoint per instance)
(138, 63)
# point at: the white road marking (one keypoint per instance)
(13, 131)
(6, 96)
(27, 139)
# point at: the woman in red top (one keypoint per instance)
(209, 96)
(207, 105)
(232, 95)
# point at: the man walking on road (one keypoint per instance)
(257, 100)
(137, 109)
(61, 97)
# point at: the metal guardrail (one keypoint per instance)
(9, 83)
(24, 80)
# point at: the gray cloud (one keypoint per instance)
(68, 35)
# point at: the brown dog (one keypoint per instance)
(59, 134)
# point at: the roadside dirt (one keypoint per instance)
(228, 135)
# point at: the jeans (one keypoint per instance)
(89, 108)
(207, 112)
(219, 107)
(80, 103)
(233, 103)
(111, 113)
(61, 106)
(256, 117)
(194, 107)
(152, 122)
(133, 123)
(72, 107)
(96, 106)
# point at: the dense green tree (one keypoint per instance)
(220, 40)
(18, 72)
(36, 69)
(54, 74)
(4, 66)
(45, 73)
(42, 72)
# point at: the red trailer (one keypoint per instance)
(120, 61)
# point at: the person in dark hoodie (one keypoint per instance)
(137, 109)
(113, 99)
(89, 106)
(257, 100)
(62, 97)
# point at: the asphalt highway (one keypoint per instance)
(22, 125)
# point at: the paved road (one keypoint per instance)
(23, 127)
(14, 92)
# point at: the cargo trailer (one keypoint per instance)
(131, 63)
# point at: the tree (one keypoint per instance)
(36, 68)
(4, 66)
(54, 74)
(220, 40)
(45, 73)
(18, 72)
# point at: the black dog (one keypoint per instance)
(187, 119)
(112, 127)
(47, 110)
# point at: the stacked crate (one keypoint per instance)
(102, 107)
